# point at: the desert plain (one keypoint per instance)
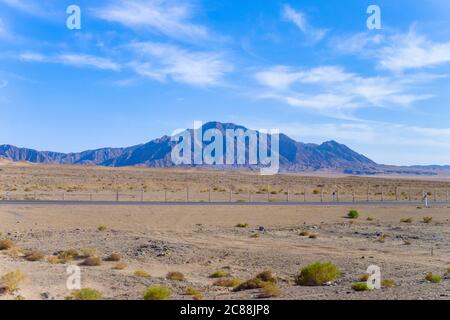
(407, 241)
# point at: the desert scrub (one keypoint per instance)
(10, 281)
(85, 294)
(6, 244)
(92, 262)
(427, 219)
(34, 255)
(175, 276)
(102, 228)
(433, 278)
(228, 283)
(353, 214)
(219, 274)
(189, 291)
(157, 293)
(317, 274)
(360, 286)
(313, 236)
(141, 274)
(370, 219)
(251, 284)
(242, 225)
(304, 234)
(115, 257)
(270, 290)
(87, 252)
(448, 271)
(68, 255)
(388, 283)
(364, 277)
(53, 260)
(406, 220)
(267, 276)
(120, 266)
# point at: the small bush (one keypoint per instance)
(242, 225)
(85, 294)
(388, 283)
(141, 274)
(267, 276)
(317, 274)
(175, 276)
(219, 274)
(68, 255)
(228, 283)
(114, 257)
(11, 280)
(270, 290)
(6, 244)
(304, 234)
(406, 220)
(102, 228)
(120, 266)
(53, 260)
(251, 284)
(313, 236)
(254, 236)
(157, 293)
(370, 219)
(191, 291)
(34, 255)
(448, 271)
(353, 214)
(360, 286)
(427, 219)
(364, 277)
(87, 252)
(433, 278)
(92, 262)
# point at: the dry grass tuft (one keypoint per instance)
(6, 244)
(228, 283)
(267, 276)
(406, 220)
(92, 262)
(85, 294)
(10, 281)
(317, 274)
(115, 257)
(175, 276)
(270, 290)
(141, 274)
(120, 266)
(388, 283)
(157, 293)
(34, 255)
(219, 274)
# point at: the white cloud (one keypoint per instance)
(299, 19)
(161, 61)
(411, 51)
(72, 59)
(334, 91)
(169, 18)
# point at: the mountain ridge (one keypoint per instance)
(294, 156)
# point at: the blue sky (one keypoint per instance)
(140, 69)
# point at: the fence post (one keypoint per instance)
(165, 195)
(209, 194)
(353, 195)
(409, 196)
(287, 196)
(382, 195)
(337, 194)
(117, 195)
(368, 194)
(396, 193)
(304, 194)
(187, 194)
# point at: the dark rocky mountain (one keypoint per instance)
(294, 156)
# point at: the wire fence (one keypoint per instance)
(287, 194)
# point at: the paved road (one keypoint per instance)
(136, 203)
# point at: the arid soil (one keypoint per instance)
(200, 240)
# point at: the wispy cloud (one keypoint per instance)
(3, 83)
(167, 17)
(333, 91)
(72, 59)
(300, 20)
(161, 62)
(412, 51)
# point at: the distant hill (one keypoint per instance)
(294, 156)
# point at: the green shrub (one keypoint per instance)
(228, 283)
(360, 286)
(317, 274)
(85, 294)
(242, 225)
(253, 283)
(192, 291)
(388, 283)
(219, 274)
(353, 214)
(141, 274)
(433, 278)
(157, 293)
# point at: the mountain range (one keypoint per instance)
(294, 156)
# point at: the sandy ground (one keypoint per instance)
(200, 240)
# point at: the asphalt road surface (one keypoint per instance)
(137, 203)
